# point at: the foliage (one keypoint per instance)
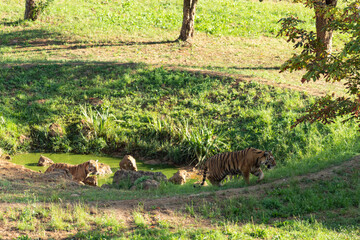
(49, 73)
(341, 65)
(97, 122)
(157, 113)
(139, 219)
(196, 143)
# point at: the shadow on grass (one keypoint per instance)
(73, 45)
(35, 91)
(35, 36)
(12, 23)
(255, 68)
(31, 164)
(42, 38)
(97, 234)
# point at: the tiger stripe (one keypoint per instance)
(79, 172)
(241, 162)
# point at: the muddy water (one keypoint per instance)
(30, 160)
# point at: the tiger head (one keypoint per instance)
(92, 167)
(269, 160)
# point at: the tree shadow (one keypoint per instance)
(78, 45)
(12, 23)
(256, 68)
(252, 68)
(36, 36)
(41, 38)
(38, 88)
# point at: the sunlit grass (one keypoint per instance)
(77, 51)
(108, 20)
(286, 201)
(293, 229)
(165, 114)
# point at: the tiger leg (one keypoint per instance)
(216, 179)
(259, 174)
(246, 177)
(215, 182)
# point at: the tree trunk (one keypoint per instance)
(187, 29)
(31, 11)
(324, 35)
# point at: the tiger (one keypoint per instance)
(91, 180)
(79, 172)
(241, 162)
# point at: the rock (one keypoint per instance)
(45, 161)
(153, 162)
(91, 180)
(128, 163)
(193, 173)
(56, 174)
(138, 178)
(55, 130)
(104, 169)
(75, 195)
(150, 184)
(179, 177)
(146, 185)
(132, 176)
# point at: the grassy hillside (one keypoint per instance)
(56, 71)
(158, 113)
(109, 74)
(103, 21)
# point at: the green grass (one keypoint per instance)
(57, 217)
(53, 70)
(107, 227)
(292, 230)
(139, 219)
(153, 111)
(290, 201)
(330, 206)
(164, 114)
(104, 21)
(233, 36)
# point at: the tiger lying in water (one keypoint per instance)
(237, 163)
(79, 172)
